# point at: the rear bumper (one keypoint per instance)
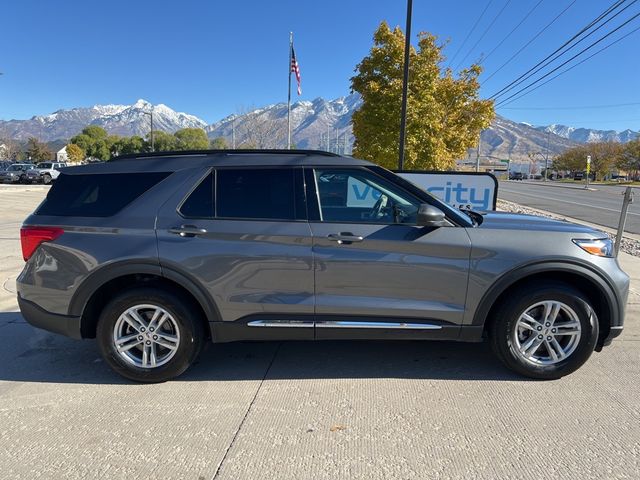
(40, 318)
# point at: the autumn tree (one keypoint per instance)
(75, 153)
(444, 112)
(604, 157)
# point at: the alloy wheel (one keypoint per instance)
(146, 336)
(547, 332)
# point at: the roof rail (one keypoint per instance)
(185, 153)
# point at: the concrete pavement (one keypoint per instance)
(326, 410)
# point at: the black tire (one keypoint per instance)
(186, 317)
(503, 324)
(46, 179)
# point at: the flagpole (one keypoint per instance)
(289, 95)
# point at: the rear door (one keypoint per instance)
(377, 274)
(242, 233)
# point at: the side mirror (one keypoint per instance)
(430, 216)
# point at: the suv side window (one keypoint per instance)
(260, 193)
(199, 203)
(361, 196)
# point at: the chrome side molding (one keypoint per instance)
(281, 323)
(386, 325)
(343, 324)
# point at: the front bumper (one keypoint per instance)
(40, 318)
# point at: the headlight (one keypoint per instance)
(602, 247)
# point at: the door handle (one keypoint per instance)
(187, 231)
(344, 238)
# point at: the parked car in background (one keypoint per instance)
(515, 176)
(16, 173)
(155, 254)
(45, 172)
(4, 165)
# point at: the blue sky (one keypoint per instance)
(213, 58)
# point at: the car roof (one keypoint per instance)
(174, 161)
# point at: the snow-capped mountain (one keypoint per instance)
(320, 123)
(116, 119)
(589, 135)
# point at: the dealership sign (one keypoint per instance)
(477, 191)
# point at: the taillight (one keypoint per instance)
(32, 237)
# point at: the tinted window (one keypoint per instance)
(44, 165)
(200, 203)
(98, 195)
(360, 196)
(260, 193)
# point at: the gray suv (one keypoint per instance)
(153, 255)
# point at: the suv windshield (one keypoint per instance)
(44, 165)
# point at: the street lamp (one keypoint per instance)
(153, 146)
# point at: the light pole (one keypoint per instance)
(546, 158)
(405, 83)
(153, 146)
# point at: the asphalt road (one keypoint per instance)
(326, 410)
(600, 206)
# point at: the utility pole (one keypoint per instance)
(588, 170)
(405, 84)
(328, 137)
(153, 145)
(478, 153)
(546, 159)
(233, 133)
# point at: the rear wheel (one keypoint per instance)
(545, 331)
(46, 179)
(150, 335)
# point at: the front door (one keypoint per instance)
(377, 274)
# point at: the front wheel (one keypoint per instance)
(544, 332)
(150, 335)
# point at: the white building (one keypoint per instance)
(61, 155)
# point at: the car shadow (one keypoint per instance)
(32, 355)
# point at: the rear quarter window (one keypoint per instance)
(96, 195)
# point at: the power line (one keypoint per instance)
(531, 41)
(576, 55)
(567, 50)
(573, 66)
(528, 73)
(581, 107)
(470, 32)
(513, 30)
(484, 33)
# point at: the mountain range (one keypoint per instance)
(323, 124)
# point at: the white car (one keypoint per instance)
(44, 172)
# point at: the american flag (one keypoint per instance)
(295, 68)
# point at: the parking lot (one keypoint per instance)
(326, 410)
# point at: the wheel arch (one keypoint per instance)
(591, 283)
(97, 290)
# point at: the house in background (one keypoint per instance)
(61, 155)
